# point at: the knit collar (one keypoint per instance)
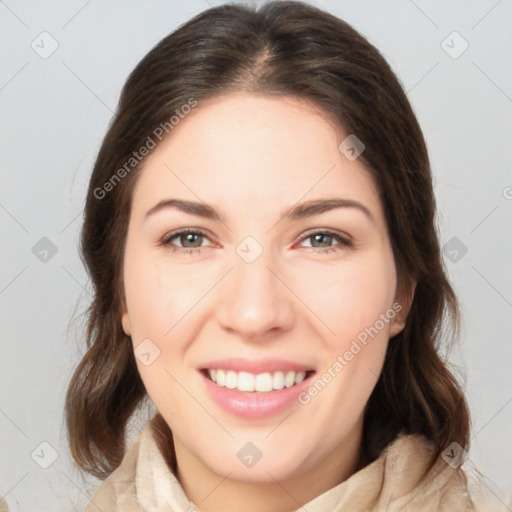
(396, 481)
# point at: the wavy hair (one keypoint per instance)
(280, 48)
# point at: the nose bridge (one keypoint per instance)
(255, 301)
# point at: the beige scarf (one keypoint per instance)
(144, 483)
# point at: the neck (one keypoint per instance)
(212, 492)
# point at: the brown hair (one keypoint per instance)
(281, 48)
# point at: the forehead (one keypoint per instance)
(242, 149)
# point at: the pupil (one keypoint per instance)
(189, 237)
(320, 236)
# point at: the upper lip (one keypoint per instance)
(256, 366)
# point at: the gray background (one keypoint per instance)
(54, 113)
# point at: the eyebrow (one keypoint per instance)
(300, 211)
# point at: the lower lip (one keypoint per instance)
(253, 405)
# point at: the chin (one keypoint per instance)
(259, 465)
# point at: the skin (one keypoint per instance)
(253, 157)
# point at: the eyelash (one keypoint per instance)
(166, 241)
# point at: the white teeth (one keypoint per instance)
(245, 381)
(300, 377)
(289, 380)
(278, 380)
(263, 382)
(231, 380)
(221, 378)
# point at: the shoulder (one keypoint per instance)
(143, 481)
(118, 489)
(411, 484)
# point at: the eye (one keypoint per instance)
(324, 238)
(191, 240)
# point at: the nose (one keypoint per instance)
(255, 302)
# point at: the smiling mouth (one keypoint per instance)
(260, 383)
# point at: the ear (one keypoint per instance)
(402, 305)
(125, 320)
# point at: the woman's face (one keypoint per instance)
(267, 286)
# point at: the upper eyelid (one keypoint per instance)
(308, 233)
(336, 232)
(184, 231)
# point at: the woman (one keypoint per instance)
(291, 348)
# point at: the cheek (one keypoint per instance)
(157, 299)
(160, 298)
(352, 296)
(359, 297)
(158, 295)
